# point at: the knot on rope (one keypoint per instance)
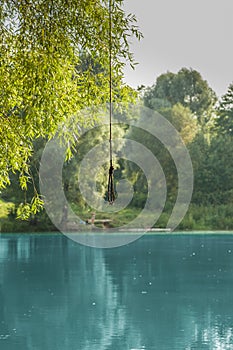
(111, 192)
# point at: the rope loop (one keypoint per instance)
(111, 192)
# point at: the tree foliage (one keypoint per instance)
(187, 87)
(224, 122)
(182, 119)
(213, 167)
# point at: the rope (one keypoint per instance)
(111, 192)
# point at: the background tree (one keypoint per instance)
(188, 88)
(224, 121)
(213, 167)
(182, 119)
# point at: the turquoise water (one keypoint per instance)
(165, 292)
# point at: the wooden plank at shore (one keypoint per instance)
(145, 229)
(98, 221)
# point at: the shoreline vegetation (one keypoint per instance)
(198, 218)
(205, 125)
(124, 232)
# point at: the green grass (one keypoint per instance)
(198, 218)
(118, 218)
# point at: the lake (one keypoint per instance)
(165, 292)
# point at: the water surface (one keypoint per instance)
(165, 292)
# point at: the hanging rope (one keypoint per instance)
(111, 191)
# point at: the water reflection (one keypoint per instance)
(161, 292)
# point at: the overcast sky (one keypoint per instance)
(183, 33)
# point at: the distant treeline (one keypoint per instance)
(205, 124)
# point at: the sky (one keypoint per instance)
(196, 34)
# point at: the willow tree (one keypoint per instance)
(42, 80)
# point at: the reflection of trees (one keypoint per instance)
(59, 295)
(217, 333)
(163, 292)
(177, 290)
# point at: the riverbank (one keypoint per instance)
(198, 218)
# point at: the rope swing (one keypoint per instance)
(111, 191)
